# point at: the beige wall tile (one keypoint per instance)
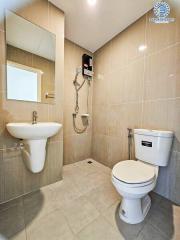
(19, 111)
(2, 61)
(53, 165)
(69, 91)
(176, 15)
(121, 117)
(82, 146)
(133, 86)
(13, 172)
(175, 120)
(117, 149)
(77, 148)
(161, 73)
(100, 148)
(101, 82)
(56, 19)
(2, 47)
(1, 177)
(59, 73)
(119, 51)
(55, 113)
(115, 120)
(31, 181)
(100, 118)
(3, 77)
(136, 38)
(71, 62)
(177, 57)
(69, 150)
(68, 120)
(117, 80)
(2, 18)
(177, 190)
(36, 11)
(103, 60)
(159, 114)
(159, 36)
(155, 114)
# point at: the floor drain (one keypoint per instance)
(90, 162)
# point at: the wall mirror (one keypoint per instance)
(30, 52)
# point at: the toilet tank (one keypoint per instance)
(153, 146)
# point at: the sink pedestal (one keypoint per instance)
(34, 154)
(34, 137)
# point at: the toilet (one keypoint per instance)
(134, 179)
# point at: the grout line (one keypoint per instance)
(144, 75)
(175, 44)
(82, 195)
(161, 99)
(136, 102)
(143, 93)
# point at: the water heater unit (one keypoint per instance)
(87, 65)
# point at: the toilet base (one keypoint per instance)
(134, 211)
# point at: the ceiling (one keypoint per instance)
(23, 34)
(92, 26)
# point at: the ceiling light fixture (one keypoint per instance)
(92, 2)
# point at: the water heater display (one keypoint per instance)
(87, 65)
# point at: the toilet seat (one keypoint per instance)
(134, 173)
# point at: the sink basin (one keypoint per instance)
(34, 138)
(33, 131)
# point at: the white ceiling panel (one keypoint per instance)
(92, 26)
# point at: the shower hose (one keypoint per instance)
(76, 109)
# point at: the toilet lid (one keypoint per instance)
(131, 171)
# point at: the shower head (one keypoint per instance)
(78, 71)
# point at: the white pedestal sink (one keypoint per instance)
(34, 138)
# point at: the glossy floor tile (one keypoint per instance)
(84, 206)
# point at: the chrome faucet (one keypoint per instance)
(34, 117)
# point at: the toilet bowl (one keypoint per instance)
(134, 179)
